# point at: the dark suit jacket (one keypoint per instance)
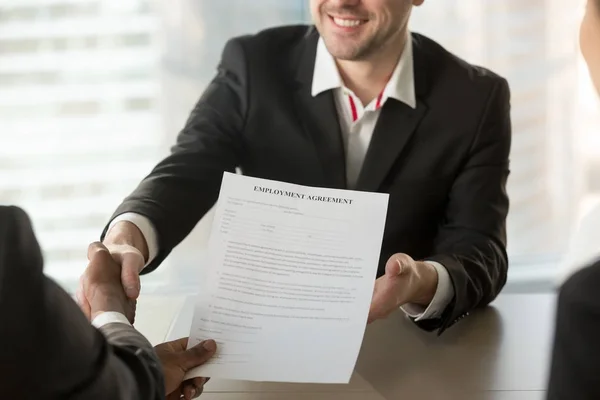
(48, 350)
(444, 164)
(575, 368)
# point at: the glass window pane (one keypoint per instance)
(92, 94)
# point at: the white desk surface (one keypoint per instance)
(499, 353)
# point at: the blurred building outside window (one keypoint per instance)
(93, 93)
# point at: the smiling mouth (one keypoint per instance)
(347, 23)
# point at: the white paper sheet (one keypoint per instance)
(289, 282)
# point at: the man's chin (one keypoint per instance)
(344, 51)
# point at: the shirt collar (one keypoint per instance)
(401, 85)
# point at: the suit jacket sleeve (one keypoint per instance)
(576, 354)
(185, 185)
(471, 243)
(48, 349)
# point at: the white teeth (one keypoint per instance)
(348, 23)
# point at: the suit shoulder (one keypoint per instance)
(13, 220)
(582, 283)
(17, 239)
(272, 43)
(267, 55)
(275, 36)
(12, 213)
(464, 73)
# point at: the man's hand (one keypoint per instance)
(132, 262)
(405, 281)
(176, 361)
(127, 247)
(100, 287)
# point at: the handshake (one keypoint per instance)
(102, 290)
(111, 283)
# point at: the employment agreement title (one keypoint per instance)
(302, 196)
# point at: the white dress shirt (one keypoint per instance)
(109, 317)
(357, 125)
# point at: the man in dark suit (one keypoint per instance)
(356, 102)
(48, 350)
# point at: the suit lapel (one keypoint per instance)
(396, 125)
(318, 115)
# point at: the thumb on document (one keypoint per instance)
(198, 355)
(191, 358)
(176, 361)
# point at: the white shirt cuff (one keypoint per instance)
(147, 229)
(443, 295)
(109, 317)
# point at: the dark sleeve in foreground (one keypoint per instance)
(48, 349)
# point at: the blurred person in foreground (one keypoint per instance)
(49, 350)
(575, 369)
(355, 101)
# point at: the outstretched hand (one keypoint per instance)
(405, 281)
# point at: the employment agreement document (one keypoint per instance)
(290, 277)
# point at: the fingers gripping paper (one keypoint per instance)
(290, 278)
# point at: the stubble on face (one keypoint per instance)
(352, 32)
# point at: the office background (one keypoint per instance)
(93, 93)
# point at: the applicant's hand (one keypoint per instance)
(176, 361)
(405, 281)
(100, 288)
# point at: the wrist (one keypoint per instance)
(426, 277)
(125, 233)
(107, 304)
